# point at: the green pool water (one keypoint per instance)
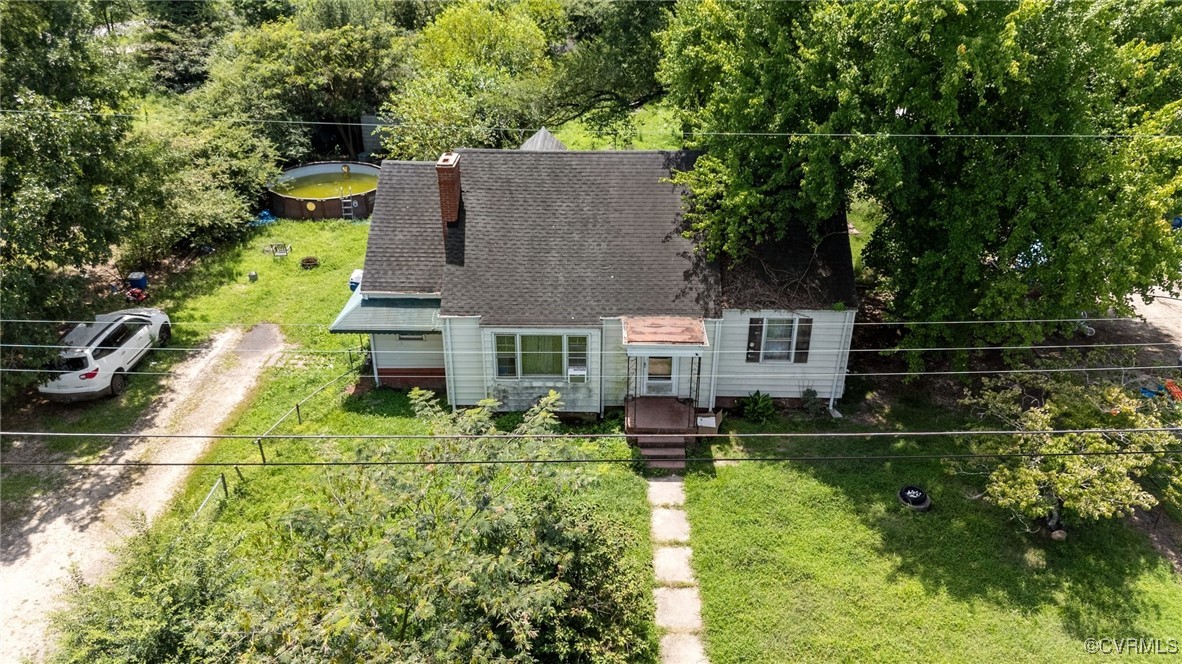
(327, 185)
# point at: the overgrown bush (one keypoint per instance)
(812, 404)
(444, 562)
(759, 407)
(1112, 464)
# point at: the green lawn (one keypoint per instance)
(654, 127)
(865, 217)
(213, 294)
(820, 562)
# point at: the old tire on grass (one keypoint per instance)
(915, 498)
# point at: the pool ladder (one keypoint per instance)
(347, 205)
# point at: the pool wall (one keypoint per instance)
(292, 207)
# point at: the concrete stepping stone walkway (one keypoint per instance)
(679, 607)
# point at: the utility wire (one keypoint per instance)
(717, 351)
(742, 324)
(776, 374)
(585, 436)
(543, 462)
(691, 132)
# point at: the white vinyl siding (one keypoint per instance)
(615, 363)
(827, 355)
(465, 371)
(392, 352)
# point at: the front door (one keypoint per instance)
(660, 376)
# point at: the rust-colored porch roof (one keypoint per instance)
(661, 330)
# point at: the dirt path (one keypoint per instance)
(78, 523)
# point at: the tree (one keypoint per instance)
(1052, 481)
(611, 68)
(980, 221)
(279, 72)
(68, 181)
(463, 559)
(181, 35)
(254, 13)
(479, 70)
(207, 178)
(48, 48)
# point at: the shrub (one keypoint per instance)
(759, 407)
(813, 405)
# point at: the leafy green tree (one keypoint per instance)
(479, 69)
(977, 223)
(461, 559)
(180, 37)
(1049, 483)
(281, 73)
(207, 177)
(68, 180)
(611, 69)
(315, 15)
(48, 48)
(254, 13)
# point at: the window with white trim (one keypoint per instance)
(550, 356)
(576, 359)
(779, 340)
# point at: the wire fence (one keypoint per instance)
(296, 409)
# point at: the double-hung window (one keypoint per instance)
(547, 356)
(779, 340)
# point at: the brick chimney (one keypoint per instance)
(448, 170)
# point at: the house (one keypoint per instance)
(508, 273)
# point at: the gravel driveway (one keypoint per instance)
(77, 524)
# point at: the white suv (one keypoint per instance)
(98, 354)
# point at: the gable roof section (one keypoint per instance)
(543, 141)
(405, 249)
(566, 238)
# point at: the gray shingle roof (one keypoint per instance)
(550, 238)
(405, 250)
(543, 141)
(565, 238)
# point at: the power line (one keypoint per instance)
(690, 132)
(812, 351)
(588, 436)
(740, 2)
(816, 324)
(775, 374)
(543, 462)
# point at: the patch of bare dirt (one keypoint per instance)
(77, 524)
(1164, 534)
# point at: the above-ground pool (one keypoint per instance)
(325, 190)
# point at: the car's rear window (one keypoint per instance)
(68, 364)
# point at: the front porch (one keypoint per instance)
(649, 415)
(664, 378)
(657, 426)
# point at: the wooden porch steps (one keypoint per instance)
(667, 453)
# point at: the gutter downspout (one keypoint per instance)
(602, 347)
(714, 361)
(447, 362)
(373, 349)
(842, 360)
